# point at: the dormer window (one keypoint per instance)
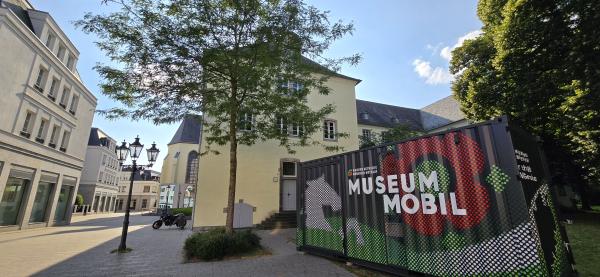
(394, 119)
(364, 115)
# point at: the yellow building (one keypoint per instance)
(266, 176)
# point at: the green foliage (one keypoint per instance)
(398, 133)
(216, 244)
(79, 200)
(224, 59)
(536, 61)
(185, 211)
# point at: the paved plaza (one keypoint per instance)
(83, 249)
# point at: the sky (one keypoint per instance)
(405, 46)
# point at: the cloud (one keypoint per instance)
(440, 75)
(432, 76)
(446, 52)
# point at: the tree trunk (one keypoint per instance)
(232, 160)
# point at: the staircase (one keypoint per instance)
(281, 220)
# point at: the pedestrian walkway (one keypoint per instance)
(83, 249)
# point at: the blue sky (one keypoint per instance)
(405, 47)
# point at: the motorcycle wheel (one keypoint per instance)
(181, 223)
(157, 224)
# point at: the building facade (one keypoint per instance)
(179, 173)
(46, 114)
(145, 193)
(99, 183)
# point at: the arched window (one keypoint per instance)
(191, 175)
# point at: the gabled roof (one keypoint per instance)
(189, 130)
(327, 71)
(377, 114)
(441, 112)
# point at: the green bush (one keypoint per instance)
(185, 211)
(79, 200)
(216, 244)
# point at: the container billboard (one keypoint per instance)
(473, 201)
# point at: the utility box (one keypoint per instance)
(473, 201)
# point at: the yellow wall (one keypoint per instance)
(258, 165)
(174, 170)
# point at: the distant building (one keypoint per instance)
(146, 185)
(101, 173)
(46, 113)
(179, 173)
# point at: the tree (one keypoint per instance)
(79, 200)
(246, 65)
(397, 133)
(537, 61)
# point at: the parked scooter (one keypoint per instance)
(169, 219)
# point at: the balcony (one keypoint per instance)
(40, 140)
(51, 97)
(72, 112)
(52, 145)
(63, 149)
(25, 134)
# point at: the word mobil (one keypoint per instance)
(426, 202)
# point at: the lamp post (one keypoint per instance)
(134, 150)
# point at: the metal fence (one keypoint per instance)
(473, 201)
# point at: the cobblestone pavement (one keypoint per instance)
(83, 249)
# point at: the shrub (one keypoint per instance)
(185, 211)
(79, 200)
(216, 244)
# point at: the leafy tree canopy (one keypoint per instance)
(539, 62)
(241, 63)
(398, 133)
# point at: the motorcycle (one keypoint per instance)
(168, 219)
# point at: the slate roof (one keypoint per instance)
(441, 112)
(143, 175)
(189, 130)
(434, 115)
(20, 12)
(377, 114)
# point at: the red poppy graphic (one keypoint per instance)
(467, 161)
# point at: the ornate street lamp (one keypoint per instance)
(134, 150)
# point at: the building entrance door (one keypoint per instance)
(288, 195)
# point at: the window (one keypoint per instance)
(329, 130)
(41, 135)
(50, 40)
(291, 87)
(366, 133)
(283, 128)
(54, 136)
(70, 62)
(133, 204)
(153, 189)
(146, 188)
(73, 106)
(65, 141)
(144, 203)
(100, 176)
(176, 156)
(40, 202)
(41, 80)
(64, 97)
(12, 198)
(297, 130)
(61, 52)
(191, 175)
(364, 115)
(288, 169)
(247, 122)
(53, 89)
(28, 124)
(103, 159)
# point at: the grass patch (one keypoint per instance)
(126, 250)
(218, 245)
(584, 239)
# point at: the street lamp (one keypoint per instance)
(134, 150)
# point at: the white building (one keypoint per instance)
(145, 192)
(101, 173)
(46, 116)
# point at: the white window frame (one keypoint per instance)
(64, 143)
(367, 133)
(28, 122)
(40, 81)
(330, 129)
(54, 86)
(247, 119)
(42, 129)
(74, 103)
